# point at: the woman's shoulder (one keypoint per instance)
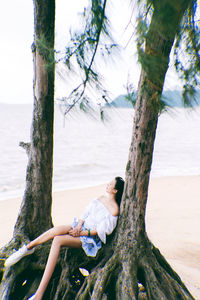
(114, 210)
(112, 207)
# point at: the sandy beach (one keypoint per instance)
(172, 220)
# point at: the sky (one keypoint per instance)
(16, 23)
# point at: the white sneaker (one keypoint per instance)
(16, 256)
(32, 297)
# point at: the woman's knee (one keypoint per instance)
(62, 229)
(66, 240)
(56, 241)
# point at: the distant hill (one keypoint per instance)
(121, 101)
(171, 98)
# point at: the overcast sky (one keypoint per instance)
(16, 23)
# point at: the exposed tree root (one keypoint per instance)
(127, 285)
(137, 273)
(22, 279)
(122, 275)
(159, 279)
(95, 286)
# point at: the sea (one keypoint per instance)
(89, 151)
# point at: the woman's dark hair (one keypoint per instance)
(119, 186)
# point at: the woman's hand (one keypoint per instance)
(75, 231)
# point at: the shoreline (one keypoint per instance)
(15, 194)
(172, 220)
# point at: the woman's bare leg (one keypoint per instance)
(49, 234)
(62, 240)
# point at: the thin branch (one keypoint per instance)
(89, 68)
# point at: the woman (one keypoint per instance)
(98, 220)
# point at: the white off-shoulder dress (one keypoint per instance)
(96, 216)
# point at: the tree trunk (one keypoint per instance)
(35, 212)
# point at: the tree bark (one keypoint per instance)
(35, 212)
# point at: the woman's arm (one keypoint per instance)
(80, 223)
(74, 232)
(77, 230)
(90, 232)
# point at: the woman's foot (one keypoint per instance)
(16, 256)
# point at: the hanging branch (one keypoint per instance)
(85, 48)
(187, 54)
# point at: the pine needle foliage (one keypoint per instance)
(85, 46)
(46, 51)
(186, 47)
(94, 39)
(187, 53)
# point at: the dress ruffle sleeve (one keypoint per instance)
(106, 226)
(87, 211)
